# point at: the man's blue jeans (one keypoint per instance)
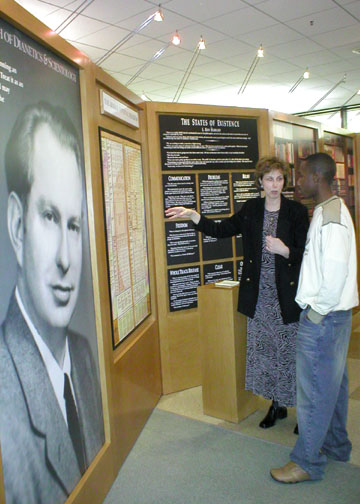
(322, 391)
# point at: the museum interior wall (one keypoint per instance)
(144, 270)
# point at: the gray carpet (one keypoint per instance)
(177, 460)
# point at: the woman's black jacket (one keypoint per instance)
(292, 226)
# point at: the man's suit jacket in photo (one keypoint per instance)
(38, 458)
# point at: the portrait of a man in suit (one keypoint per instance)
(51, 422)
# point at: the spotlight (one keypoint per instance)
(176, 40)
(202, 45)
(260, 53)
(159, 16)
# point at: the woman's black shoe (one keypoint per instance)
(272, 415)
(296, 430)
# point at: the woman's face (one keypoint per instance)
(273, 183)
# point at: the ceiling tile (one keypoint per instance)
(105, 38)
(147, 49)
(273, 35)
(164, 29)
(229, 46)
(241, 22)
(204, 85)
(118, 62)
(354, 8)
(201, 10)
(283, 10)
(116, 12)
(37, 8)
(236, 77)
(214, 68)
(331, 19)
(94, 53)
(316, 58)
(80, 27)
(346, 51)
(275, 68)
(330, 69)
(295, 48)
(180, 59)
(340, 37)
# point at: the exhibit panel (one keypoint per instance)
(201, 157)
(41, 114)
(135, 362)
(122, 385)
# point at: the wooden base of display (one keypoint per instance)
(223, 345)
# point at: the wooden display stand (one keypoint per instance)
(223, 345)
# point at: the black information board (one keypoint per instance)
(179, 190)
(214, 248)
(243, 188)
(207, 142)
(239, 268)
(239, 245)
(182, 287)
(218, 271)
(214, 193)
(182, 243)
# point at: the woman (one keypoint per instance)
(274, 232)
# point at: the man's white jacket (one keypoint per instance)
(328, 279)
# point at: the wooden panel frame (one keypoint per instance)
(130, 376)
(179, 331)
(134, 365)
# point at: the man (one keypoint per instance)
(51, 424)
(327, 292)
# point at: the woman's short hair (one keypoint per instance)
(266, 165)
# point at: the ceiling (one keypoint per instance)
(318, 34)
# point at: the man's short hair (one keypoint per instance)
(322, 164)
(19, 149)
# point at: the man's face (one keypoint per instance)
(52, 246)
(306, 181)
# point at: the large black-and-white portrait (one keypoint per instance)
(51, 419)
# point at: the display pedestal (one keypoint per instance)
(223, 346)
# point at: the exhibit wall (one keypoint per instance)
(129, 302)
(202, 157)
(69, 106)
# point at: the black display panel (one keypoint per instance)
(182, 243)
(182, 288)
(214, 248)
(243, 188)
(179, 190)
(207, 142)
(218, 271)
(214, 193)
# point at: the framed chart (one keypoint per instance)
(127, 256)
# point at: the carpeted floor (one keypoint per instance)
(177, 460)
